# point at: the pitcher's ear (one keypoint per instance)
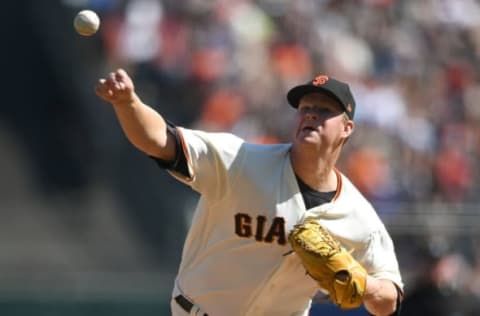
(348, 127)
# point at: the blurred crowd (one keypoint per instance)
(414, 68)
(225, 65)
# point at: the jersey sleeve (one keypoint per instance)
(209, 157)
(381, 259)
(361, 229)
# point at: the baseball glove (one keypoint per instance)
(334, 268)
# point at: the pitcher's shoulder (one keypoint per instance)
(351, 191)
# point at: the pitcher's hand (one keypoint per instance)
(117, 88)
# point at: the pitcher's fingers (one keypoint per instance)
(121, 86)
(112, 76)
(111, 82)
(107, 95)
(121, 74)
(121, 78)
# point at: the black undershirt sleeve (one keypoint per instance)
(399, 301)
(179, 163)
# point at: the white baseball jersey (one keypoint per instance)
(234, 259)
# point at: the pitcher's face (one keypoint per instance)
(321, 121)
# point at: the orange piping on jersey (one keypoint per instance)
(339, 184)
(187, 156)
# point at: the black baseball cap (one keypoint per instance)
(325, 84)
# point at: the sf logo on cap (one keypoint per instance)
(319, 80)
(349, 108)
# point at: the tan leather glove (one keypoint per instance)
(329, 264)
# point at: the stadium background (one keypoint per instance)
(90, 226)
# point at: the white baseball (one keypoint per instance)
(86, 22)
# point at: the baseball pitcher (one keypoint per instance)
(275, 224)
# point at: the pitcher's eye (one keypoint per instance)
(304, 109)
(315, 109)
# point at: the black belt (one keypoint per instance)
(185, 303)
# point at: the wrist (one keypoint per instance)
(126, 102)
